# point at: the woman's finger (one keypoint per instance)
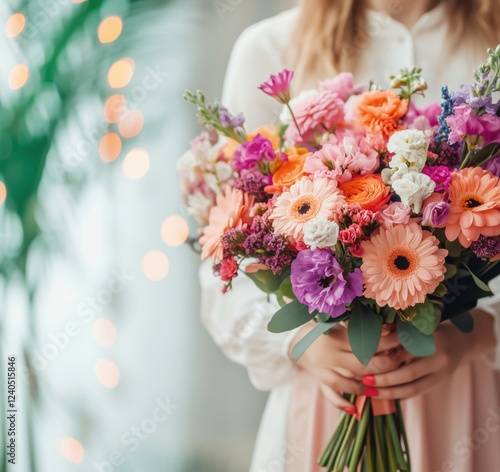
(339, 383)
(409, 390)
(407, 373)
(336, 398)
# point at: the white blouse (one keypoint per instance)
(238, 320)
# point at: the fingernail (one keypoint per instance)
(350, 410)
(371, 392)
(369, 380)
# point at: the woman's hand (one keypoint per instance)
(331, 361)
(422, 374)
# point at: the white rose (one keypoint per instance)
(410, 148)
(413, 188)
(223, 171)
(389, 176)
(286, 116)
(321, 233)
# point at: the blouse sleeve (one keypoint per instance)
(492, 306)
(238, 320)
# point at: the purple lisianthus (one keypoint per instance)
(278, 86)
(465, 123)
(436, 214)
(441, 175)
(318, 281)
(252, 153)
(493, 165)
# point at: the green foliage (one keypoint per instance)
(365, 330)
(289, 317)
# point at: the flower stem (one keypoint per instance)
(295, 121)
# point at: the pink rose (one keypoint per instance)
(395, 214)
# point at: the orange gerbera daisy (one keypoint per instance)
(232, 211)
(475, 206)
(304, 201)
(402, 265)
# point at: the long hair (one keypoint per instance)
(331, 33)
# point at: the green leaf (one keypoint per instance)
(322, 317)
(414, 341)
(286, 288)
(265, 280)
(427, 319)
(451, 271)
(309, 338)
(364, 330)
(464, 322)
(476, 279)
(454, 248)
(289, 317)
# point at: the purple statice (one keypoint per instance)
(254, 153)
(229, 121)
(441, 175)
(232, 241)
(254, 183)
(319, 282)
(493, 165)
(448, 155)
(446, 111)
(486, 248)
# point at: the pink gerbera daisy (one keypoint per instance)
(232, 211)
(402, 265)
(304, 201)
(475, 206)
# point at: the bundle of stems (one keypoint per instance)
(371, 444)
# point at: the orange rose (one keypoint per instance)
(368, 191)
(380, 111)
(268, 132)
(288, 173)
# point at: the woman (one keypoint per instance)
(452, 405)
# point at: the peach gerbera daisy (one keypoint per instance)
(475, 206)
(401, 265)
(231, 211)
(304, 201)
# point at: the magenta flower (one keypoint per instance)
(278, 86)
(441, 175)
(318, 281)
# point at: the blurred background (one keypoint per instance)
(98, 294)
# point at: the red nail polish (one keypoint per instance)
(371, 392)
(369, 380)
(350, 410)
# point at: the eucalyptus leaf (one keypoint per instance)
(451, 271)
(301, 347)
(476, 279)
(427, 318)
(286, 288)
(265, 280)
(289, 317)
(464, 322)
(454, 248)
(414, 341)
(364, 330)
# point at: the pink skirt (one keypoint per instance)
(453, 428)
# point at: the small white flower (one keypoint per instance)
(286, 116)
(321, 233)
(410, 148)
(413, 188)
(389, 176)
(223, 171)
(212, 183)
(199, 206)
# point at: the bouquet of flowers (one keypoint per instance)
(358, 207)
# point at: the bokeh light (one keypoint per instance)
(109, 29)
(155, 265)
(18, 76)
(114, 108)
(110, 147)
(120, 73)
(104, 333)
(15, 25)
(71, 449)
(136, 164)
(3, 193)
(174, 230)
(107, 373)
(131, 123)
